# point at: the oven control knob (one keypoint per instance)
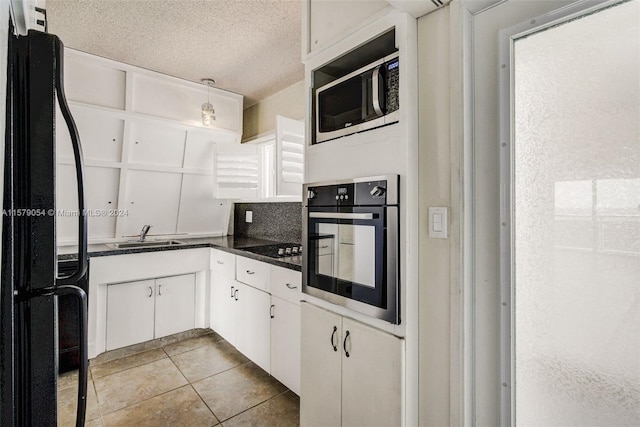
(311, 194)
(377, 191)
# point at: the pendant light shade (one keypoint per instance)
(208, 113)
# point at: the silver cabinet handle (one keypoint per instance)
(271, 311)
(220, 262)
(251, 272)
(291, 286)
(150, 292)
(159, 290)
(232, 291)
(235, 295)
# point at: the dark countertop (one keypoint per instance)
(230, 244)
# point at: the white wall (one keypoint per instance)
(260, 118)
(437, 276)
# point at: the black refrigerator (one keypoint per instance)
(31, 283)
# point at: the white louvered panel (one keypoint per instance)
(290, 168)
(237, 171)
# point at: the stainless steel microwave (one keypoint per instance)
(364, 99)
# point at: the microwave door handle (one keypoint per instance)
(340, 215)
(77, 154)
(375, 90)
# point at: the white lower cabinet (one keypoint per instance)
(285, 343)
(175, 305)
(223, 306)
(351, 373)
(252, 324)
(147, 309)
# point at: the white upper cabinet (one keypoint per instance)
(199, 212)
(153, 144)
(161, 96)
(93, 80)
(152, 198)
(148, 157)
(101, 136)
(328, 21)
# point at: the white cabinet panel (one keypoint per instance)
(88, 81)
(253, 324)
(175, 305)
(223, 306)
(351, 374)
(153, 144)
(173, 99)
(285, 343)
(199, 211)
(372, 392)
(329, 19)
(101, 197)
(223, 262)
(252, 272)
(286, 284)
(100, 136)
(151, 198)
(130, 312)
(198, 153)
(321, 390)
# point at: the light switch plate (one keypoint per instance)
(248, 216)
(438, 222)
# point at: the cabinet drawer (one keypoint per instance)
(252, 272)
(223, 263)
(286, 284)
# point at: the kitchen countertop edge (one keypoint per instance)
(226, 243)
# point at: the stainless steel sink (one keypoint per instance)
(145, 244)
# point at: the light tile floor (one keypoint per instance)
(200, 381)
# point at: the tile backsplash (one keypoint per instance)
(280, 222)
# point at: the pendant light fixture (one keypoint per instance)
(208, 113)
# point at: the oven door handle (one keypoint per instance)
(340, 215)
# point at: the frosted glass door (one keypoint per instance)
(576, 222)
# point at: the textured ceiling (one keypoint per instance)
(250, 47)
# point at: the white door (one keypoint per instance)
(556, 292)
(372, 376)
(175, 305)
(253, 324)
(285, 343)
(321, 358)
(130, 312)
(223, 306)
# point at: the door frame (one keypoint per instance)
(464, 362)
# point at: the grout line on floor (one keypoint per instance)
(141, 401)
(206, 404)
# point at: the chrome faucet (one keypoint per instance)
(143, 232)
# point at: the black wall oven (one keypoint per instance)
(350, 235)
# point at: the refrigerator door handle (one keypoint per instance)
(77, 154)
(83, 347)
(83, 353)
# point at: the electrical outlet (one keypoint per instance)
(248, 216)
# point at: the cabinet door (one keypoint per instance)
(372, 392)
(175, 305)
(253, 324)
(285, 343)
(320, 391)
(223, 306)
(130, 311)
